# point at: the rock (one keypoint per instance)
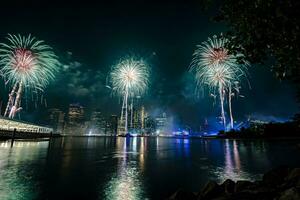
(294, 176)
(183, 195)
(260, 193)
(275, 176)
(210, 190)
(223, 197)
(243, 196)
(297, 184)
(290, 194)
(265, 190)
(281, 184)
(243, 185)
(228, 186)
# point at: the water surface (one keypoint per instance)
(132, 168)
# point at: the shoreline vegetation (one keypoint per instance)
(282, 183)
(290, 129)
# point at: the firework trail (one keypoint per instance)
(218, 70)
(129, 77)
(26, 64)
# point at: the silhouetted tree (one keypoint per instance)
(266, 31)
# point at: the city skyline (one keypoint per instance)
(77, 122)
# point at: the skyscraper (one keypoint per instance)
(143, 116)
(57, 120)
(139, 116)
(113, 124)
(136, 117)
(149, 125)
(161, 124)
(76, 123)
(98, 123)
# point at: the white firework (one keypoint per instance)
(129, 78)
(26, 63)
(217, 69)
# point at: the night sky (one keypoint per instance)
(89, 38)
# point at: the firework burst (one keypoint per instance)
(130, 77)
(26, 63)
(27, 60)
(218, 70)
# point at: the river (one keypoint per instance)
(132, 168)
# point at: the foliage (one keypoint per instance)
(265, 31)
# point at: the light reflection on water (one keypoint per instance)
(232, 168)
(132, 168)
(126, 183)
(16, 176)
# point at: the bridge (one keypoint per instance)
(22, 130)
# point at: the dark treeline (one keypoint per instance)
(270, 130)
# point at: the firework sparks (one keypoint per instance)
(130, 77)
(219, 70)
(26, 63)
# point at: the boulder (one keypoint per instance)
(290, 194)
(281, 184)
(258, 192)
(183, 195)
(245, 195)
(294, 177)
(275, 177)
(210, 190)
(228, 186)
(222, 197)
(243, 185)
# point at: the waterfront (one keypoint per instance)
(132, 168)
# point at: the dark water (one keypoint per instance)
(135, 168)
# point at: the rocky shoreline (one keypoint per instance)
(282, 183)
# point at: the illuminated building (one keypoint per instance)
(137, 123)
(163, 125)
(142, 117)
(98, 123)
(133, 119)
(56, 120)
(161, 122)
(204, 129)
(136, 118)
(149, 125)
(76, 123)
(75, 114)
(113, 124)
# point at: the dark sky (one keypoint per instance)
(90, 37)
